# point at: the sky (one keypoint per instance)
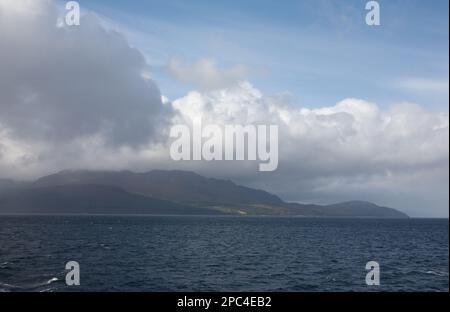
(319, 51)
(362, 111)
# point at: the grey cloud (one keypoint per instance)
(63, 83)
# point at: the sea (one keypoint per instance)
(222, 253)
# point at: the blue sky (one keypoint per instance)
(318, 51)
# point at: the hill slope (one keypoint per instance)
(91, 199)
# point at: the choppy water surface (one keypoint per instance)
(157, 253)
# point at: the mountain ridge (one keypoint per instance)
(178, 192)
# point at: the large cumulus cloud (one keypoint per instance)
(62, 83)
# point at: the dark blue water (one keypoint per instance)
(136, 253)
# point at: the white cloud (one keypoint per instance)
(206, 75)
(28, 8)
(423, 85)
(404, 135)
